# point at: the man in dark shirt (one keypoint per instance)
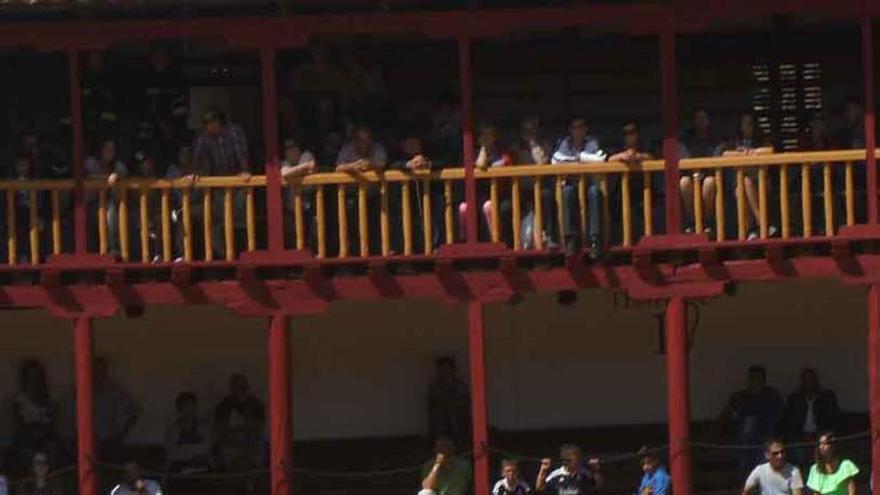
(572, 478)
(449, 404)
(413, 157)
(699, 142)
(810, 409)
(755, 411)
(238, 427)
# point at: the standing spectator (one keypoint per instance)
(184, 168)
(491, 153)
(134, 482)
(831, 474)
(581, 147)
(817, 138)
(449, 404)
(362, 154)
(187, 445)
(163, 118)
(39, 482)
(572, 478)
(810, 409)
(116, 413)
(633, 153)
(448, 474)
(749, 140)
(532, 150)
(699, 142)
(35, 415)
(851, 134)
(755, 410)
(446, 129)
(412, 157)
(105, 164)
(238, 427)
(510, 484)
(776, 476)
(655, 479)
(298, 163)
(221, 149)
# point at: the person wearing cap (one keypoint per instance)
(362, 154)
(297, 163)
(221, 149)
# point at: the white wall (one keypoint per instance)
(360, 370)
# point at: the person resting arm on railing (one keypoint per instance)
(296, 163)
(362, 154)
(580, 147)
(490, 154)
(221, 147)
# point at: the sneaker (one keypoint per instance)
(772, 231)
(753, 236)
(709, 231)
(688, 230)
(551, 245)
(595, 251)
(179, 259)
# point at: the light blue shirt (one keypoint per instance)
(658, 481)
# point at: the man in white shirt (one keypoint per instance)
(135, 484)
(776, 476)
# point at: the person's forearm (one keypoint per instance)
(347, 167)
(852, 488)
(430, 481)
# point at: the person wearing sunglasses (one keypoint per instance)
(572, 477)
(776, 476)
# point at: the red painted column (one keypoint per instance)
(280, 437)
(476, 338)
(669, 102)
(76, 126)
(678, 399)
(83, 349)
(274, 207)
(874, 378)
(467, 134)
(870, 139)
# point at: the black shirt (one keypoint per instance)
(561, 482)
(521, 488)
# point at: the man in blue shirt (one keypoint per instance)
(655, 480)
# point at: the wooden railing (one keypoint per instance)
(798, 195)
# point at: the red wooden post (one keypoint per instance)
(874, 378)
(870, 140)
(83, 348)
(476, 338)
(274, 207)
(279, 405)
(467, 130)
(678, 400)
(669, 98)
(76, 125)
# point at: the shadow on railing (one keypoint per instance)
(535, 208)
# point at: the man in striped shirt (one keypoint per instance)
(510, 484)
(572, 478)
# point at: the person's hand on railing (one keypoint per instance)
(245, 176)
(419, 162)
(190, 179)
(112, 179)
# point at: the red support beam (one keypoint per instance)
(874, 378)
(83, 348)
(279, 405)
(870, 139)
(669, 102)
(274, 207)
(678, 400)
(76, 126)
(479, 408)
(465, 75)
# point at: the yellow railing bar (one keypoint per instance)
(784, 201)
(34, 227)
(123, 225)
(343, 222)
(828, 190)
(363, 220)
(187, 226)
(145, 227)
(384, 219)
(251, 220)
(208, 224)
(495, 210)
(229, 224)
(538, 220)
(321, 220)
(427, 227)
(407, 218)
(762, 202)
(719, 205)
(698, 203)
(626, 208)
(56, 222)
(850, 196)
(448, 211)
(166, 225)
(647, 204)
(102, 221)
(11, 244)
(741, 204)
(516, 214)
(806, 201)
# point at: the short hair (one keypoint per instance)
(570, 447)
(214, 114)
(631, 124)
(775, 440)
(574, 120)
(645, 453)
(758, 369)
(184, 397)
(509, 462)
(362, 127)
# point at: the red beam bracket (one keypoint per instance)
(385, 283)
(181, 275)
(775, 255)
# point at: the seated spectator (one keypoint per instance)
(238, 428)
(776, 476)
(221, 149)
(24, 171)
(655, 479)
(412, 157)
(750, 141)
(447, 474)
(491, 153)
(633, 154)
(818, 138)
(116, 413)
(510, 484)
(298, 163)
(144, 166)
(362, 154)
(699, 142)
(581, 147)
(755, 411)
(39, 482)
(449, 404)
(105, 164)
(35, 415)
(134, 483)
(810, 409)
(187, 445)
(851, 131)
(572, 478)
(532, 150)
(832, 474)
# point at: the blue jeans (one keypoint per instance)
(571, 211)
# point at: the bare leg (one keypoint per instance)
(686, 189)
(709, 191)
(752, 199)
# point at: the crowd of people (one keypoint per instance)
(144, 132)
